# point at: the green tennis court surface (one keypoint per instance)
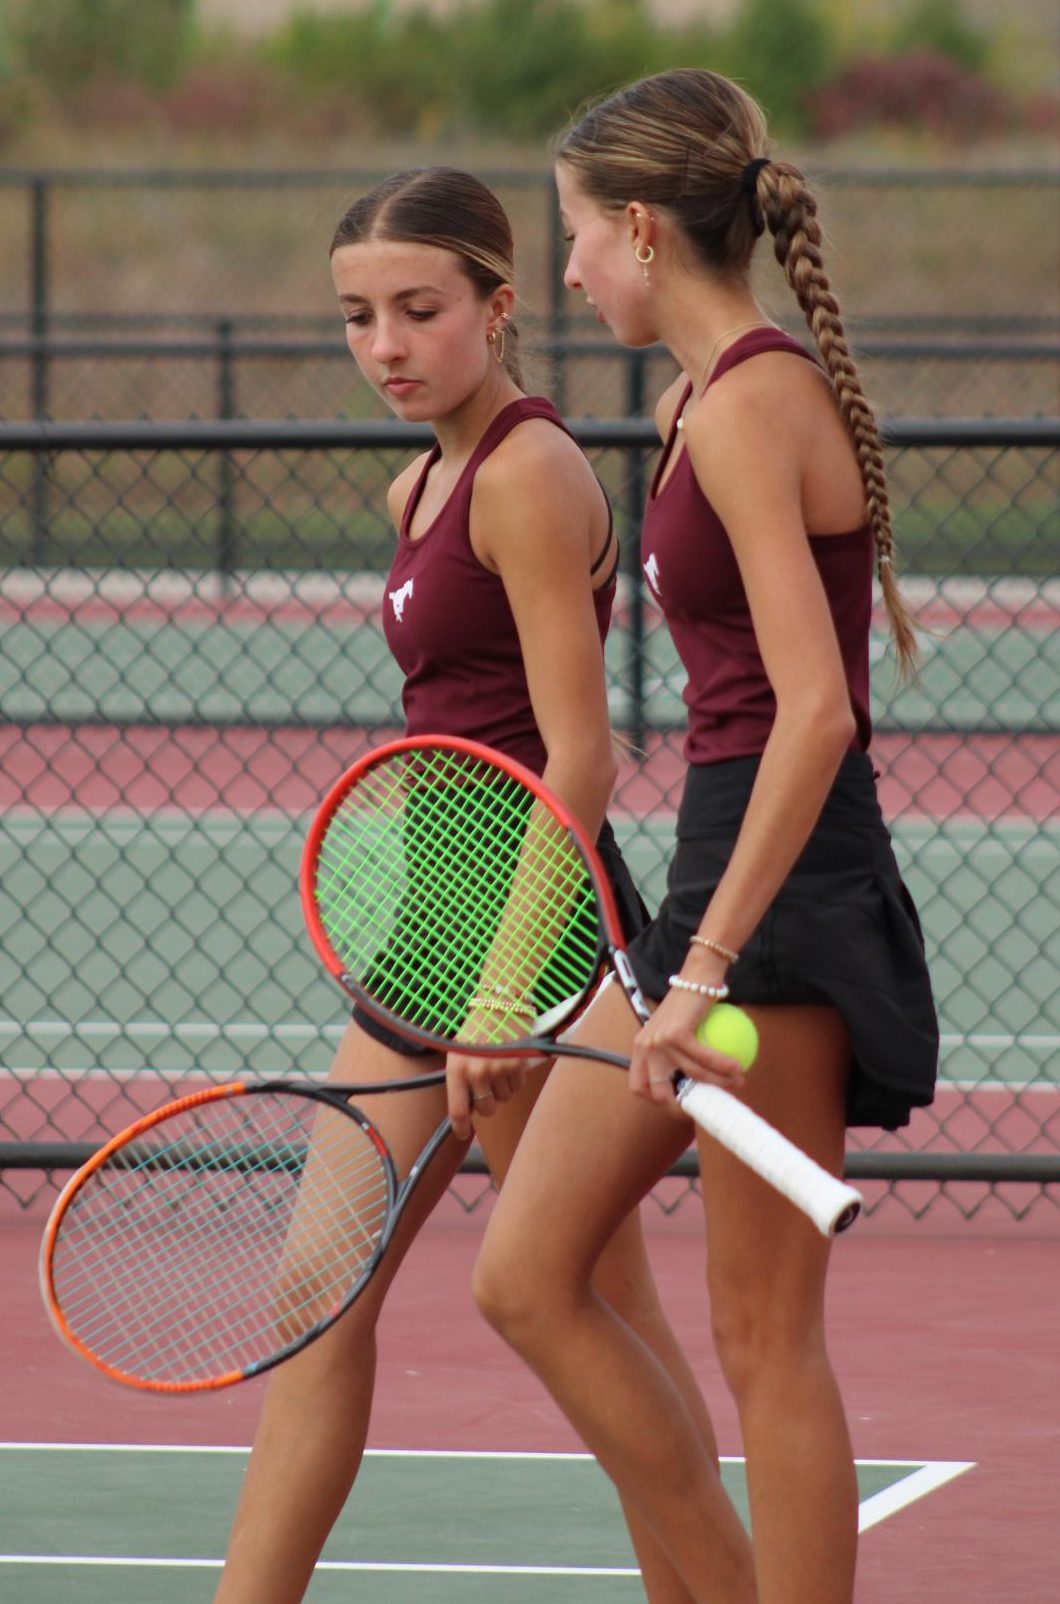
(267, 669)
(97, 1524)
(180, 945)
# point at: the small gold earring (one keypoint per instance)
(645, 258)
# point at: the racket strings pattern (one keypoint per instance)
(221, 1237)
(453, 899)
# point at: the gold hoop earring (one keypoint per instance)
(647, 257)
(495, 341)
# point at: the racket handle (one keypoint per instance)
(828, 1202)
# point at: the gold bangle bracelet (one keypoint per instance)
(498, 1005)
(713, 946)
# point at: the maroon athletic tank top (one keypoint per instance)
(448, 623)
(693, 574)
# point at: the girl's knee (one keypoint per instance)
(521, 1297)
(758, 1339)
(501, 1290)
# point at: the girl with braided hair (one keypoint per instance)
(766, 519)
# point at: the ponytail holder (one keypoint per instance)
(749, 182)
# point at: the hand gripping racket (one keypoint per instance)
(224, 1232)
(463, 905)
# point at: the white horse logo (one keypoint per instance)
(651, 573)
(400, 597)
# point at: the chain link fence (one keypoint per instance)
(173, 294)
(191, 652)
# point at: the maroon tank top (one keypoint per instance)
(448, 623)
(693, 574)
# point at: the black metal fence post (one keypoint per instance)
(226, 409)
(38, 198)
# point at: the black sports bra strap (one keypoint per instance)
(606, 547)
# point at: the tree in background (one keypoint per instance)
(510, 70)
(68, 43)
(783, 50)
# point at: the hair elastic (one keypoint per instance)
(751, 172)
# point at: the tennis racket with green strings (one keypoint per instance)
(462, 905)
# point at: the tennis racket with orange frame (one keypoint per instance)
(465, 907)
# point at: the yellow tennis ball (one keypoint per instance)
(732, 1032)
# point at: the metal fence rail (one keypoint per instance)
(226, 374)
(190, 650)
(171, 250)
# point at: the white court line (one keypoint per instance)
(254, 1029)
(931, 1475)
(369, 1566)
(375, 1567)
(192, 1029)
(95, 1028)
(924, 1477)
(369, 1453)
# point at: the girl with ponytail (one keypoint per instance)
(766, 522)
(496, 607)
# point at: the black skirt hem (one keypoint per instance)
(842, 932)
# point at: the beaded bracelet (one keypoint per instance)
(497, 990)
(713, 946)
(715, 993)
(502, 1005)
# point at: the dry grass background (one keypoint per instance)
(176, 258)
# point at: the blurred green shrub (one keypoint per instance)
(67, 44)
(513, 68)
(394, 70)
(782, 51)
(524, 68)
(940, 28)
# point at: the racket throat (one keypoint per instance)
(629, 983)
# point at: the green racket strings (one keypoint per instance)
(456, 899)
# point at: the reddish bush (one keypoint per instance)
(1041, 114)
(224, 100)
(923, 91)
(112, 106)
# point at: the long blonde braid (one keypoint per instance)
(790, 213)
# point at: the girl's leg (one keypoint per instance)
(314, 1419)
(624, 1283)
(623, 1280)
(766, 1274)
(314, 1422)
(589, 1154)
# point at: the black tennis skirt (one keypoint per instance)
(842, 932)
(632, 912)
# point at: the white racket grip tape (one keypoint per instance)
(828, 1202)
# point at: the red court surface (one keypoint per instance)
(149, 767)
(946, 1348)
